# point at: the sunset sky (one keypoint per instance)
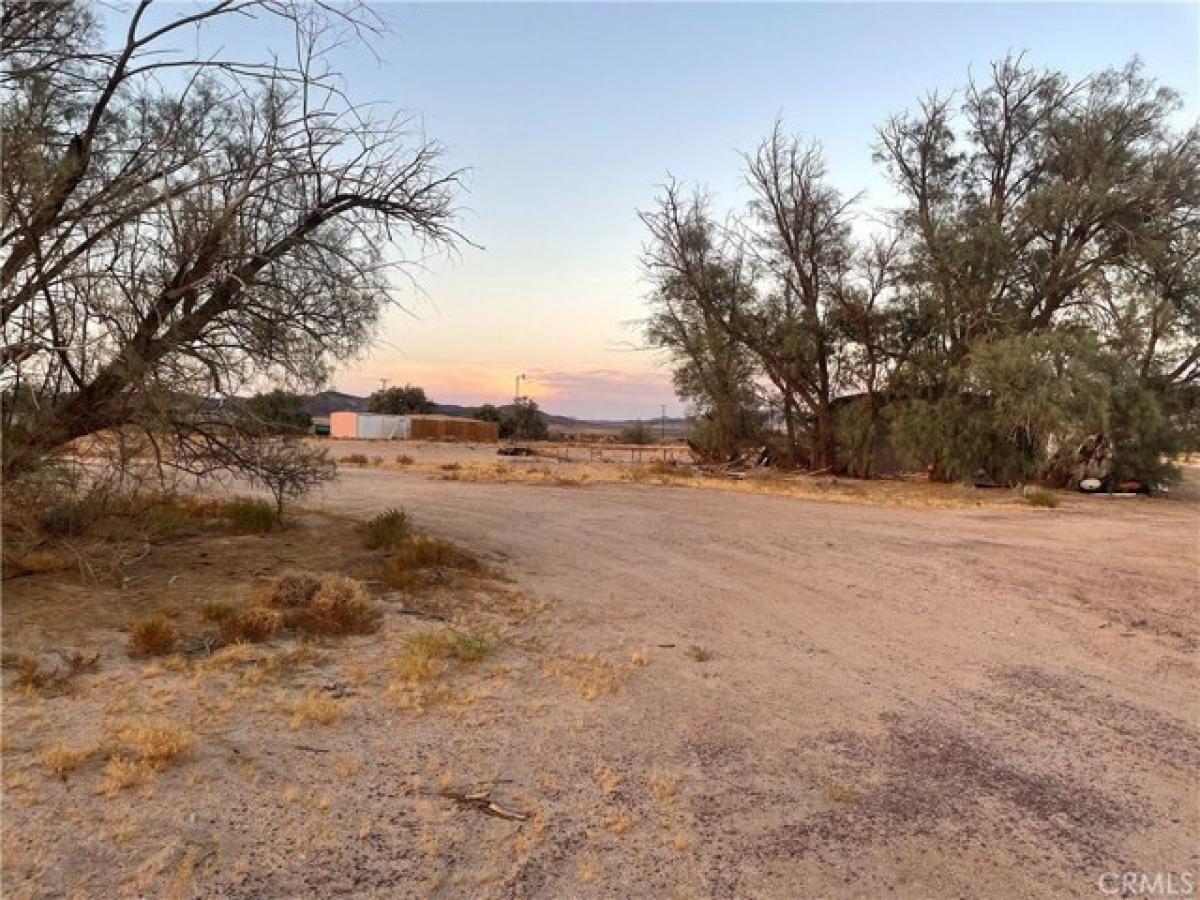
(570, 115)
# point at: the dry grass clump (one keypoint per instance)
(588, 675)
(428, 653)
(404, 459)
(250, 516)
(422, 559)
(292, 589)
(121, 772)
(391, 528)
(656, 472)
(143, 750)
(217, 610)
(699, 654)
(835, 792)
(251, 625)
(325, 604)
(1042, 499)
(32, 675)
(31, 562)
(153, 636)
(158, 744)
(61, 760)
(354, 459)
(318, 709)
(341, 606)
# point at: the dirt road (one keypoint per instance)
(909, 702)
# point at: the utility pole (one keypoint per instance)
(517, 408)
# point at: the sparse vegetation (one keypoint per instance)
(836, 792)
(340, 606)
(250, 516)
(318, 709)
(155, 744)
(152, 636)
(33, 562)
(404, 459)
(61, 760)
(1042, 498)
(292, 589)
(326, 604)
(390, 528)
(217, 610)
(427, 653)
(355, 459)
(53, 679)
(418, 560)
(251, 625)
(699, 654)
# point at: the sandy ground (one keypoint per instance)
(724, 695)
(937, 703)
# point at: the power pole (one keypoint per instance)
(517, 408)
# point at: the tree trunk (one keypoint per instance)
(789, 421)
(824, 441)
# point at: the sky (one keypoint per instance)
(569, 117)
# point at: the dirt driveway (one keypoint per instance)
(910, 702)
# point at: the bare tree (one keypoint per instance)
(176, 227)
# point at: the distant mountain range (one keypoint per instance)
(326, 402)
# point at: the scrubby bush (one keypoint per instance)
(251, 625)
(390, 528)
(1041, 498)
(251, 516)
(327, 604)
(153, 636)
(637, 433)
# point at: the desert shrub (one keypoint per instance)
(427, 653)
(404, 459)
(57, 678)
(217, 610)
(665, 467)
(390, 528)
(696, 653)
(32, 562)
(637, 433)
(317, 709)
(154, 636)
(158, 745)
(1041, 498)
(355, 459)
(250, 515)
(450, 467)
(409, 565)
(329, 604)
(341, 606)
(60, 760)
(251, 625)
(293, 589)
(73, 516)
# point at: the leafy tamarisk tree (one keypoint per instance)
(1039, 205)
(698, 276)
